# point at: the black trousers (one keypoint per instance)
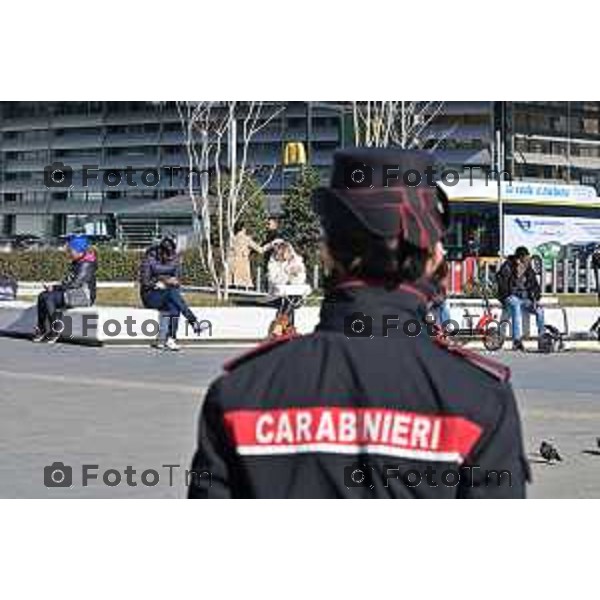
(48, 309)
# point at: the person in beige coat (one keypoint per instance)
(238, 260)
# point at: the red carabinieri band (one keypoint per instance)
(341, 430)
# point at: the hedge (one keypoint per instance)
(113, 265)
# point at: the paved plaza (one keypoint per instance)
(116, 407)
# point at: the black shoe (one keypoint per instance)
(200, 327)
(518, 346)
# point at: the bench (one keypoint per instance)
(108, 324)
(98, 325)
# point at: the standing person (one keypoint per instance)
(439, 304)
(272, 235)
(518, 291)
(78, 289)
(595, 328)
(238, 261)
(359, 408)
(596, 268)
(160, 275)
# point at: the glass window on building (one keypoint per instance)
(559, 124)
(88, 224)
(116, 129)
(589, 151)
(590, 125)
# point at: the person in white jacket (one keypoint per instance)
(286, 266)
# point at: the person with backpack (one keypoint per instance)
(519, 291)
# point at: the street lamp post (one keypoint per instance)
(499, 162)
(568, 142)
(309, 132)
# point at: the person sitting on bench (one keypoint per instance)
(160, 275)
(518, 291)
(78, 289)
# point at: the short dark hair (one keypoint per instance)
(521, 252)
(358, 253)
(167, 245)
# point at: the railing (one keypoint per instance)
(564, 276)
(469, 277)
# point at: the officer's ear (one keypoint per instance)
(326, 258)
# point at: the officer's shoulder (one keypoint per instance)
(261, 349)
(492, 368)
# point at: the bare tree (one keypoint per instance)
(217, 137)
(399, 123)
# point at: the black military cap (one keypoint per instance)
(391, 192)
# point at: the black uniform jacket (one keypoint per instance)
(388, 414)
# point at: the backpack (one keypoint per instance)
(551, 340)
(8, 288)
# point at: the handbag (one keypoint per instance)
(77, 297)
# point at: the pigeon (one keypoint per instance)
(549, 452)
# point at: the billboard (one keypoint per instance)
(519, 192)
(540, 232)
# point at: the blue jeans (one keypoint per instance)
(442, 313)
(516, 306)
(170, 304)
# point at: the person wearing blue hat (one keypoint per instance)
(77, 289)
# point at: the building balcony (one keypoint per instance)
(15, 166)
(16, 145)
(459, 132)
(468, 108)
(134, 139)
(558, 160)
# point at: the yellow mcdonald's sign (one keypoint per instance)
(294, 154)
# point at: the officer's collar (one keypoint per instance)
(373, 299)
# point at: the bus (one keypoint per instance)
(554, 221)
